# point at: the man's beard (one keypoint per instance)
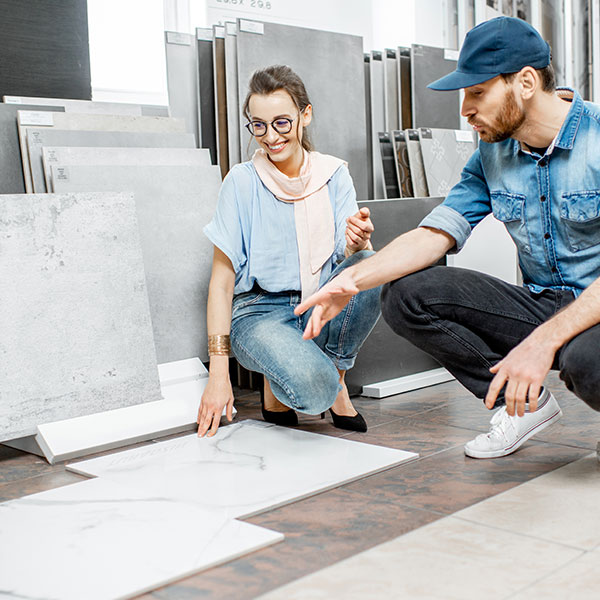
(510, 118)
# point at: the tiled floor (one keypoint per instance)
(379, 510)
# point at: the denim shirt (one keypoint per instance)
(549, 204)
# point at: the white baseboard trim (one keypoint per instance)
(407, 383)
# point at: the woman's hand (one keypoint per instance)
(218, 393)
(358, 231)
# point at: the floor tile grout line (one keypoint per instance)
(512, 531)
(531, 584)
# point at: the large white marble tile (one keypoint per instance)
(76, 333)
(449, 559)
(97, 540)
(561, 506)
(246, 468)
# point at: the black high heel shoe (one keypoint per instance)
(355, 423)
(286, 417)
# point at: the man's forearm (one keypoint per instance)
(577, 317)
(408, 253)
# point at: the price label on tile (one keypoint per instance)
(252, 26)
(13, 100)
(219, 31)
(183, 39)
(50, 155)
(230, 28)
(61, 173)
(463, 136)
(33, 117)
(34, 138)
(450, 54)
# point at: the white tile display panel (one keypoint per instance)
(88, 122)
(97, 540)
(231, 87)
(445, 153)
(182, 78)
(246, 468)
(331, 65)
(75, 321)
(173, 205)
(38, 138)
(68, 157)
(80, 106)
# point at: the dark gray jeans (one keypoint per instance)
(468, 321)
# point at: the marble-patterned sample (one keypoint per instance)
(402, 164)
(445, 153)
(231, 89)
(415, 162)
(79, 106)
(182, 78)
(331, 65)
(246, 468)
(385, 355)
(11, 168)
(38, 138)
(173, 205)
(71, 156)
(206, 92)
(88, 122)
(429, 107)
(76, 330)
(102, 541)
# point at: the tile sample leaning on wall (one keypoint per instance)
(38, 138)
(445, 153)
(86, 122)
(72, 156)
(143, 542)
(431, 108)
(415, 161)
(231, 89)
(220, 92)
(206, 92)
(331, 65)
(11, 167)
(377, 115)
(173, 205)
(76, 331)
(182, 78)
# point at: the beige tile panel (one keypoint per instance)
(449, 559)
(561, 506)
(577, 580)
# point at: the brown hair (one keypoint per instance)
(279, 77)
(546, 75)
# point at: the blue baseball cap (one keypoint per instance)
(498, 46)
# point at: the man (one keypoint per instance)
(537, 169)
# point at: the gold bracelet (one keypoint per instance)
(219, 345)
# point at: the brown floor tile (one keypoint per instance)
(449, 481)
(40, 483)
(414, 434)
(319, 531)
(15, 465)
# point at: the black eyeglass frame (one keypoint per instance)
(250, 125)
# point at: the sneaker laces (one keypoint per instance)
(500, 422)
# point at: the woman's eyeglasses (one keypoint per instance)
(260, 128)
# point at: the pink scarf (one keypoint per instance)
(315, 225)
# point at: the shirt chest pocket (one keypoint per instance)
(509, 208)
(580, 215)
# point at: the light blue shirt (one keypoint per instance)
(549, 204)
(258, 232)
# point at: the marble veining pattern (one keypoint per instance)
(98, 540)
(247, 468)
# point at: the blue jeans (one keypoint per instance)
(266, 336)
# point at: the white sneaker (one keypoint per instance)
(507, 433)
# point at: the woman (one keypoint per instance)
(283, 221)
